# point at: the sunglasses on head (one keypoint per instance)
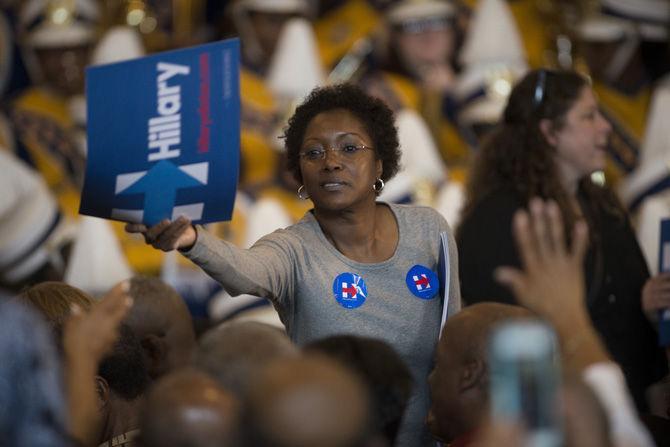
(540, 88)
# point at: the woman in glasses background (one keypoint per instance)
(551, 141)
(352, 265)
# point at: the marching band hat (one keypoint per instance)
(276, 6)
(602, 28)
(119, 43)
(295, 68)
(412, 10)
(415, 16)
(58, 23)
(32, 229)
(493, 57)
(650, 17)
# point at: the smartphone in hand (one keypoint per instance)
(525, 380)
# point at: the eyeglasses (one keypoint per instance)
(349, 151)
(424, 25)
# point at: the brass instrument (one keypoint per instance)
(163, 24)
(349, 67)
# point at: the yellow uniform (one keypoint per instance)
(534, 31)
(340, 29)
(45, 134)
(628, 115)
(260, 123)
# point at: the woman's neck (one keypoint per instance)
(365, 234)
(571, 185)
(569, 178)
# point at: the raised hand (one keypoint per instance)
(552, 280)
(87, 338)
(167, 235)
(90, 336)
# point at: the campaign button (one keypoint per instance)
(422, 282)
(349, 290)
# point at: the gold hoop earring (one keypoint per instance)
(301, 188)
(379, 188)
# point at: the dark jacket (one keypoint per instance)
(615, 272)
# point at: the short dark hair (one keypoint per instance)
(380, 367)
(375, 115)
(124, 368)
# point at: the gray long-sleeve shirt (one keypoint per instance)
(301, 272)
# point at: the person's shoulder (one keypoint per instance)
(421, 211)
(419, 217)
(297, 232)
(491, 216)
(502, 198)
(496, 204)
(306, 223)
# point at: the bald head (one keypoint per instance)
(160, 319)
(459, 381)
(189, 409)
(308, 401)
(233, 352)
(466, 335)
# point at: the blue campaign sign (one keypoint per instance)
(164, 136)
(664, 267)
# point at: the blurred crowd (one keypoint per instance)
(167, 358)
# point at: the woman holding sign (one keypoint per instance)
(351, 265)
(551, 140)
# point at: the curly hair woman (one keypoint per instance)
(352, 265)
(551, 139)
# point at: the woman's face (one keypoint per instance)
(581, 142)
(343, 178)
(425, 49)
(268, 27)
(63, 68)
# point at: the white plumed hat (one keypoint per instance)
(295, 68)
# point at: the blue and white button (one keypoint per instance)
(350, 290)
(422, 282)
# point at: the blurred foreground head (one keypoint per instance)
(161, 321)
(188, 408)
(32, 403)
(380, 367)
(234, 352)
(305, 402)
